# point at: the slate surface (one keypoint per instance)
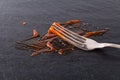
(16, 64)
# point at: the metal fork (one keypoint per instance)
(77, 40)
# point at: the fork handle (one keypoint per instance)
(111, 45)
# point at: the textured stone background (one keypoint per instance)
(15, 64)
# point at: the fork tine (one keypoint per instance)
(66, 35)
(69, 36)
(67, 30)
(70, 33)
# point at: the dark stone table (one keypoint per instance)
(103, 64)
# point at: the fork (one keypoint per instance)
(77, 40)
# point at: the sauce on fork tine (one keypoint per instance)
(69, 33)
(67, 37)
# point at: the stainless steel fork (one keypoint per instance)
(77, 40)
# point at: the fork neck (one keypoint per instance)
(110, 45)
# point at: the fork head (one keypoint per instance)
(69, 36)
